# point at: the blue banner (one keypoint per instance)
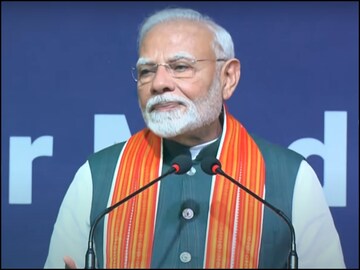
(67, 91)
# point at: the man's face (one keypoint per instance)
(173, 106)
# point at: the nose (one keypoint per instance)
(162, 81)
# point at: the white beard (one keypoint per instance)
(198, 113)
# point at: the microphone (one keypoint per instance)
(211, 165)
(180, 165)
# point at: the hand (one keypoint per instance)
(69, 263)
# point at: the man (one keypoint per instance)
(185, 71)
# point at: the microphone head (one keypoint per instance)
(210, 165)
(181, 164)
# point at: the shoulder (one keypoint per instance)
(104, 161)
(106, 153)
(272, 150)
(281, 163)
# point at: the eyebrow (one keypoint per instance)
(143, 61)
(177, 56)
(181, 55)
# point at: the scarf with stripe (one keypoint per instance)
(235, 218)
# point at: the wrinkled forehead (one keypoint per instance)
(191, 28)
(179, 38)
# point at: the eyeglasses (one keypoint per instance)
(179, 68)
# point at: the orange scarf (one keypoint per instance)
(235, 218)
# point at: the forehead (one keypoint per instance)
(168, 39)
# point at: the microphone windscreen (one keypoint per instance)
(182, 164)
(208, 163)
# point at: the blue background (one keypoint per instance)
(64, 62)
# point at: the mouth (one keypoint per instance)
(166, 106)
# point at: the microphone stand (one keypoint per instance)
(293, 258)
(212, 166)
(90, 254)
(180, 165)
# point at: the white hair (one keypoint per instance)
(222, 43)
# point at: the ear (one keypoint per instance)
(230, 76)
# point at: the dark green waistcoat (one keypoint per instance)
(282, 166)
